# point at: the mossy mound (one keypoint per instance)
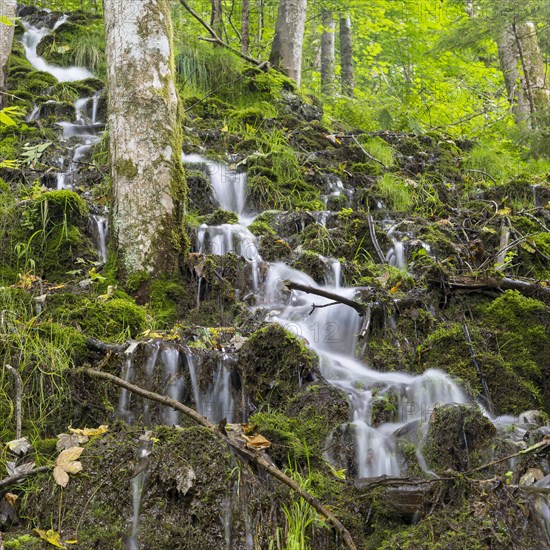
(459, 437)
(274, 362)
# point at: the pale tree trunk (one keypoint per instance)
(216, 17)
(145, 137)
(245, 27)
(327, 54)
(524, 72)
(7, 10)
(286, 51)
(346, 56)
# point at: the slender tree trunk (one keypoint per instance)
(7, 10)
(346, 56)
(216, 17)
(327, 54)
(286, 51)
(145, 137)
(245, 27)
(524, 72)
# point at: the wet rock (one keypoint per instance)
(459, 437)
(539, 418)
(531, 476)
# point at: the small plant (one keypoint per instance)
(396, 192)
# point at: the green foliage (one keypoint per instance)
(396, 192)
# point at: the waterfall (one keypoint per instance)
(32, 37)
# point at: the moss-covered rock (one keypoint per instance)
(459, 437)
(274, 362)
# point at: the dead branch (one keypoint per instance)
(18, 392)
(375, 240)
(357, 306)
(12, 480)
(240, 449)
(216, 39)
(98, 345)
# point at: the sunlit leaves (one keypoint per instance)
(67, 463)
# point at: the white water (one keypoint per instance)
(100, 231)
(30, 40)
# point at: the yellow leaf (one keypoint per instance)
(258, 442)
(505, 211)
(396, 287)
(51, 536)
(90, 432)
(66, 464)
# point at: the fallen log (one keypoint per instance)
(241, 450)
(470, 282)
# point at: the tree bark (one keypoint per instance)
(286, 51)
(145, 137)
(245, 27)
(7, 10)
(327, 54)
(216, 21)
(524, 72)
(346, 56)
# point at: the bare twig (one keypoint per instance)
(366, 153)
(375, 240)
(12, 480)
(18, 392)
(357, 306)
(215, 38)
(242, 451)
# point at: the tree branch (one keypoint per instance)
(216, 39)
(240, 449)
(18, 392)
(12, 480)
(357, 306)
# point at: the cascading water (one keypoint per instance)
(229, 190)
(100, 231)
(32, 37)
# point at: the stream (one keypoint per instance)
(188, 375)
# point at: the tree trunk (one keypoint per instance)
(216, 17)
(327, 54)
(524, 72)
(346, 56)
(245, 27)
(7, 10)
(145, 137)
(286, 51)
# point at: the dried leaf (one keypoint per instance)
(257, 442)
(332, 138)
(66, 441)
(90, 432)
(19, 446)
(51, 536)
(14, 470)
(11, 498)
(66, 464)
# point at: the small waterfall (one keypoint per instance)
(34, 114)
(228, 185)
(32, 37)
(173, 382)
(128, 374)
(229, 189)
(396, 255)
(216, 402)
(138, 485)
(100, 231)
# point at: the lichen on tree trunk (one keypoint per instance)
(145, 137)
(286, 51)
(7, 10)
(327, 54)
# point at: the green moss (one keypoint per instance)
(113, 321)
(9, 148)
(220, 217)
(260, 228)
(126, 168)
(272, 248)
(169, 301)
(459, 437)
(273, 362)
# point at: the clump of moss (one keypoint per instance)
(459, 437)
(168, 302)
(260, 228)
(272, 248)
(274, 362)
(115, 320)
(219, 217)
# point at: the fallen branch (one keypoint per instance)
(216, 39)
(18, 392)
(357, 306)
(98, 345)
(366, 153)
(375, 240)
(315, 306)
(12, 480)
(240, 449)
